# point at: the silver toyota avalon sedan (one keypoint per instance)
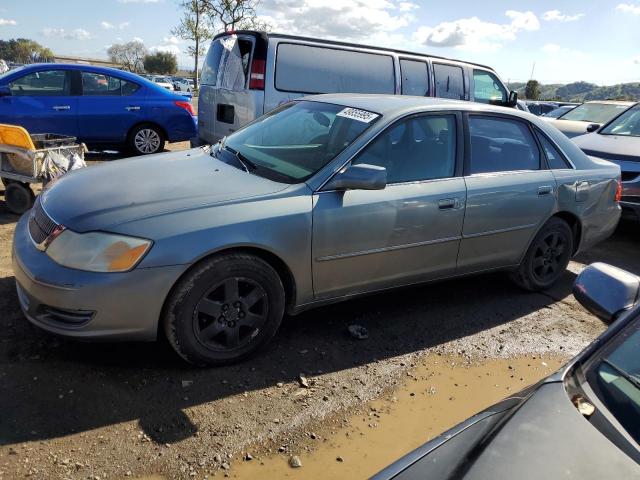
(317, 201)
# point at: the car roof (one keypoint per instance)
(396, 105)
(611, 102)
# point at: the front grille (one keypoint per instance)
(41, 225)
(77, 318)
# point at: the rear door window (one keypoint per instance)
(415, 77)
(501, 145)
(49, 83)
(227, 63)
(309, 69)
(449, 81)
(487, 88)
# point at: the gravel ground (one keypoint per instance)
(80, 410)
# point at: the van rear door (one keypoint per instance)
(231, 94)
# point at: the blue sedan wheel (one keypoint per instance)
(147, 139)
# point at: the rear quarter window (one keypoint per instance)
(310, 69)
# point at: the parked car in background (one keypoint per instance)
(183, 85)
(540, 108)
(581, 423)
(588, 117)
(248, 73)
(318, 201)
(4, 67)
(619, 142)
(102, 107)
(162, 81)
(558, 112)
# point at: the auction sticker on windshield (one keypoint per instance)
(356, 114)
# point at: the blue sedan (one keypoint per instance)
(103, 107)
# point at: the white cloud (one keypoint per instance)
(628, 8)
(558, 16)
(166, 48)
(76, 34)
(350, 20)
(551, 48)
(475, 34)
(636, 60)
(6, 21)
(137, 39)
(111, 26)
(172, 40)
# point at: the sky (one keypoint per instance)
(559, 41)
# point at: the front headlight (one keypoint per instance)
(97, 251)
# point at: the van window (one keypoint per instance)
(415, 77)
(487, 88)
(449, 81)
(307, 69)
(227, 63)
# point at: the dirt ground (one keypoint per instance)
(81, 410)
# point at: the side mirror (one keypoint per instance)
(359, 177)
(5, 91)
(606, 291)
(513, 98)
(592, 127)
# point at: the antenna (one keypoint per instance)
(532, 70)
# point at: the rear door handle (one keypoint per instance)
(62, 107)
(448, 203)
(545, 190)
(132, 107)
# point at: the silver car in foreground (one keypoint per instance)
(320, 200)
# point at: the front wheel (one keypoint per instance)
(146, 139)
(19, 197)
(547, 257)
(224, 310)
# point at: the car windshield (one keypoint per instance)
(616, 379)
(594, 112)
(8, 72)
(627, 124)
(293, 142)
(556, 112)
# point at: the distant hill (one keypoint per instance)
(582, 91)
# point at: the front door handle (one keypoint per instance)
(62, 107)
(545, 190)
(132, 107)
(448, 203)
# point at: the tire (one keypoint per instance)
(547, 257)
(19, 197)
(224, 310)
(146, 139)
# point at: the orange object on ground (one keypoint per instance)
(16, 136)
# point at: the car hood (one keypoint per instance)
(114, 193)
(543, 437)
(614, 147)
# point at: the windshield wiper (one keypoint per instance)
(247, 164)
(624, 374)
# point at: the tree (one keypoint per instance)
(161, 62)
(130, 56)
(24, 50)
(532, 90)
(227, 15)
(194, 26)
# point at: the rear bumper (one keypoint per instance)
(88, 305)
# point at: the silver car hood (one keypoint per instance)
(122, 191)
(606, 145)
(570, 128)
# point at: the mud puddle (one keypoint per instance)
(437, 394)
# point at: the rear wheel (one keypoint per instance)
(547, 257)
(19, 197)
(146, 139)
(224, 310)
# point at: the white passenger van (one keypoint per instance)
(247, 73)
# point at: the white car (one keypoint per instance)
(164, 82)
(183, 85)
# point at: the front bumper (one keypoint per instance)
(88, 305)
